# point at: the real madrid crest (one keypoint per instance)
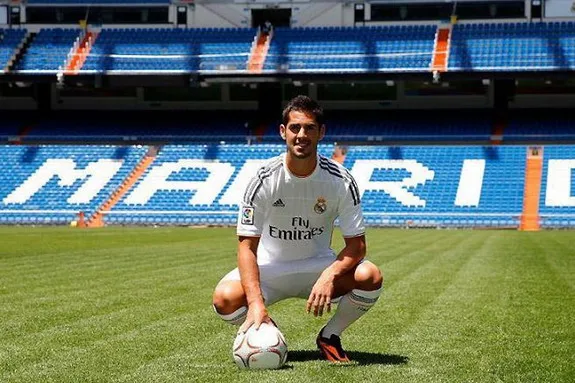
(320, 205)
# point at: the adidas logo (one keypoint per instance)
(279, 203)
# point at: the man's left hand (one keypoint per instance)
(320, 297)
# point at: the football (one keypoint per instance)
(264, 348)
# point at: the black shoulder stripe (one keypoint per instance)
(354, 195)
(327, 160)
(256, 179)
(342, 173)
(353, 187)
(328, 163)
(259, 180)
(250, 187)
(330, 171)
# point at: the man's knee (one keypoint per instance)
(368, 276)
(228, 297)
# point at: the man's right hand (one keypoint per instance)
(257, 314)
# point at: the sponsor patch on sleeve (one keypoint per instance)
(247, 215)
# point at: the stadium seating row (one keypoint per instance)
(231, 127)
(548, 126)
(49, 50)
(200, 184)
(514, 46)
(9, 41)
(473, 47)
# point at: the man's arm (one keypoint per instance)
(322, 291)
(250, 279)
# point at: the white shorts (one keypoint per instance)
(282, 280)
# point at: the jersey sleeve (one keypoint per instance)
(251, 213)
(351, 221)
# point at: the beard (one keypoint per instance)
(301, 154)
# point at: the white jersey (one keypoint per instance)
(294, 216)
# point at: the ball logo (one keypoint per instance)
(320, 206)
(248, 215)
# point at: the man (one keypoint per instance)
(285, 227)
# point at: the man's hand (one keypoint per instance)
(257, 314)
(320, 297)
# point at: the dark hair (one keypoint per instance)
(303, 104)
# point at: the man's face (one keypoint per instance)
(302, 134)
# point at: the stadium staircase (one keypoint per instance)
(533, 172)
(11, 40)
(97, 219)
(441, 49)
(498, 130)
(22, 133)
(21, 51)
(259, 52)
(80, 52)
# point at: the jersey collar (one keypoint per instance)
(293, 177)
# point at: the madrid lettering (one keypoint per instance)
(97, 175)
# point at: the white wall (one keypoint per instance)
(348, 14)
(218, 15)
(317, 14)
(325, 14)
(3, 15)
(560, 8)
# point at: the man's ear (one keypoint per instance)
(283, 131)
(321, 132)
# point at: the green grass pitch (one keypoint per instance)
(134, 305)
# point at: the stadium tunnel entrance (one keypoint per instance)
(279, 17)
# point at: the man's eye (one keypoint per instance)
(296, 128)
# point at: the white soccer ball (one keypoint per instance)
(264, 348)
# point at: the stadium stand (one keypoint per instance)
(445, 186)
(10, 39)
(133, 126)
(42, 186)
(198, 126)
(179, 50)
(427, 186)
(9, 128)
(513, 46)
(161, 192)
(414, 169)
(346, 49)
(48, 50)
(401, 126)
(542, 127)
(557, 200)
(519, 46)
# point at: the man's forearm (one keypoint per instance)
(250, 276)
(346, 260)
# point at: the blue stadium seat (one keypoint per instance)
(10, 39)
(171, 50)
(351, 49)
(516, 46)
(512, 46)
(43, 184)
(48, 51)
